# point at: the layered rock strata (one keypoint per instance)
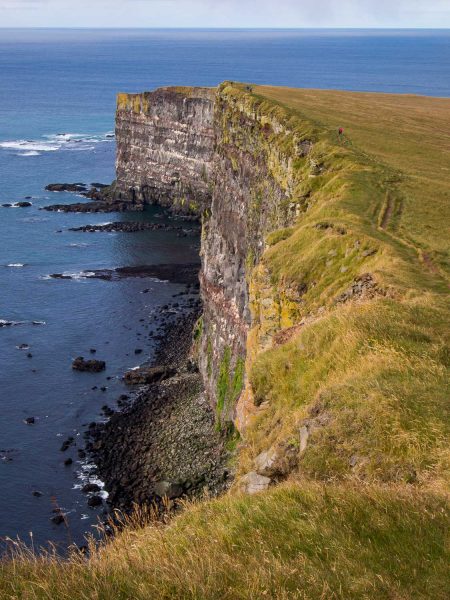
(165, 145)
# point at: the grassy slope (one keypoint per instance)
(376, 368)
(411, 134)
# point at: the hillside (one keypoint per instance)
(323, 347)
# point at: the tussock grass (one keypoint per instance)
(307, 543)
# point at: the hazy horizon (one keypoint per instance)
(226, 14)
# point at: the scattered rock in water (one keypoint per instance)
(23, 204)
(91, 488)
(103, 388)
(96, 206)
(7, 205)
(148, 375)
(94, 501)
(131, 227)
(92, 350)
(58, 519)
(37, 493)
(138, 351)
(107, 411)
(68, 462)
(66, 187)
(29, 355)
(23, 347)
(30, 421)
(91, 366)
(67, 443)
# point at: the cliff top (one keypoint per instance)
(410, 134)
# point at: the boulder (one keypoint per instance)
(66, 187)
(278, 461)
(95, 501)
(147, 375)
(23, 204)
(253, 483)
(92, 366)
(91, 487)
(168, 489)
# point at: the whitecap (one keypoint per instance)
(30, 153)
(16, 265)
(31, 145)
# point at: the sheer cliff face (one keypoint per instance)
(212, 155)
(249, 200)
(165, 148)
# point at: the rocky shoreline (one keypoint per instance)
(164, 444)
(161, 444)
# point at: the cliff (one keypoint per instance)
(303, 262)
(324, 342)
(164, 148)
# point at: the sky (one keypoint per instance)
(225, 13)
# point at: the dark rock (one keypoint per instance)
(68, 462)
(147, 375)
(66, 187)
(168, 489)
(66, 444)
(90, 488)
(92, 366)
(92, 350)
(37, 493)
(58, 519)
(23, 204)
(29, 355)
(6, 205)
(138, 351)
(126, 227)
(30, 420)
(94, 501)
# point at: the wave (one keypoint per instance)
(29, 145)
(55, 142)
(16, 265)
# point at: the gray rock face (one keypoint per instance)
(209, 152)
(247, 203)
(165, 143)
(252, 483)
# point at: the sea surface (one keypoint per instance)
(57, 102)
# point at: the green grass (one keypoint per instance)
(307, 543)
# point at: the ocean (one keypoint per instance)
(57, 102)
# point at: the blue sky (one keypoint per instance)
(225, 13)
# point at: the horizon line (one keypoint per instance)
(229, 28)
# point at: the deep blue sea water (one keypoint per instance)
(57, 101)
